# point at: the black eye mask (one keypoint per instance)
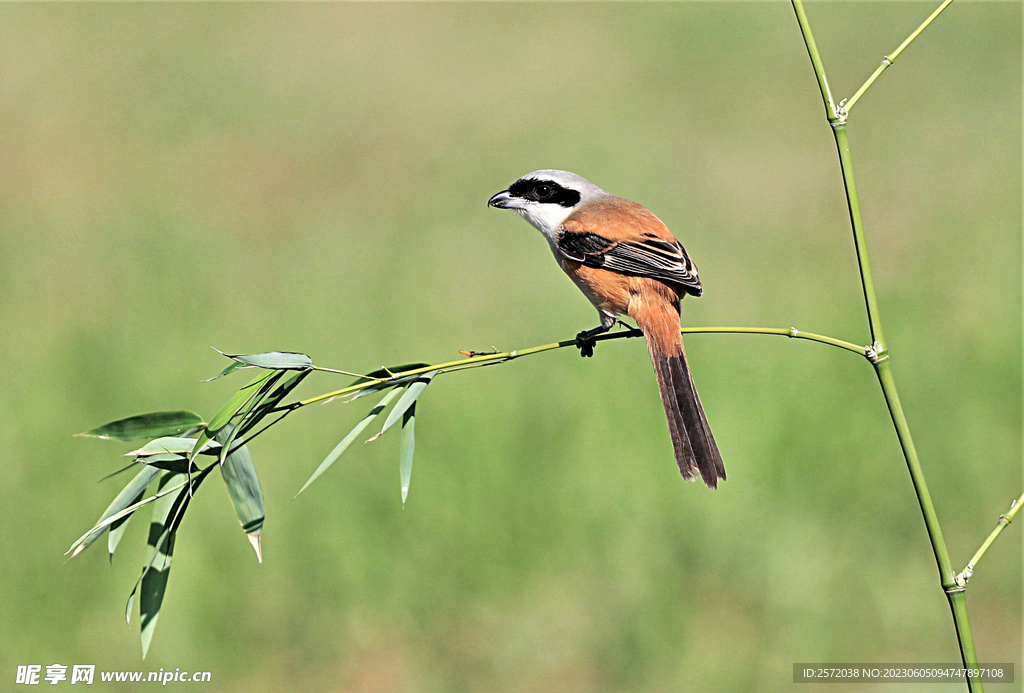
(545, 191)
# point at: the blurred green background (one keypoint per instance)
(314, 177)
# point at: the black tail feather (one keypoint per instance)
(694, 446)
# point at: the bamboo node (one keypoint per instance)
(841, 113)
(793, 332)
(961, 579)
(875, 353)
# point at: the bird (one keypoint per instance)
(627, 263)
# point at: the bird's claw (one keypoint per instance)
(585, 342)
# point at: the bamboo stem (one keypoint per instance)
(846, 104)
(1004, 520)
(853, 203)
(899, 420)
(831, 112)
(501, 357)
(958, 605)
(881, 361)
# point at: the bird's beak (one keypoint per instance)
(504, 200)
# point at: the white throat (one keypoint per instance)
(546, 218)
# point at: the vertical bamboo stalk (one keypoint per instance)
(958, 603)
(931, 521)
(881, 361)
(853, 202)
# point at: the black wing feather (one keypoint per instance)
(653, 257)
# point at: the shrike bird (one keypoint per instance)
(627, 262)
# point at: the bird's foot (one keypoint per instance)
(585, 341)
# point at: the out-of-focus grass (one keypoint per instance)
(313, 177)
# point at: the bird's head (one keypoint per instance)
(546, 197)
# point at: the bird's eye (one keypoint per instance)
(543, 191)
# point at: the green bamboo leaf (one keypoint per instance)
(169, 445)
(237, 401)
(77, 547)
(170, 463)
(271, 401)
(239, 474)
(274, 360)
(161, 544)
(117, 530)
(341, 447)
(405, 449)
(128, 497)
(380, 387)
(122, 469)
(227, 371)
(153, 425)
(245, 413)
(387, 380)
(228, 411)
(118, 527)
(412, 393)
(385, 373)
(167, 522)
(167, 517)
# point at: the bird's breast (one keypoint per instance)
(608, 291)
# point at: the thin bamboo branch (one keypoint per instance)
(831, 112)
(881, 361)
(846, 104)
(348, 373)
(1004, 520)
(502, 357)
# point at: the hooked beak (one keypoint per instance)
(504, 200)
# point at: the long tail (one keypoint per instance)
(695, 448)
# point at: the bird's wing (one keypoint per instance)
(625, 237)
(645, 256)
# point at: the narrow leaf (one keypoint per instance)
(271, 401)
(378, 387)
(156, 572)
(128, 497)
(174, 446)
(154, 425)
(77, 547)
(387, 373)
(237, 401)
(170, 463)
(274, 360)
(227, 441)
(227, 371)
(387, 380)
(341, 447)
(118, 528)
(239, 474)
(405, 450)
(122, 469)
(170, 523)
(412, 393)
